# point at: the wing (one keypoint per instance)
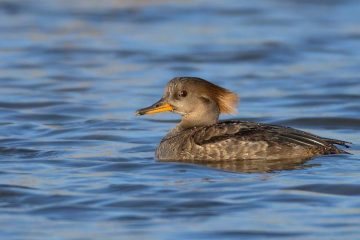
(268, 138)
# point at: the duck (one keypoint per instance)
(200, 136)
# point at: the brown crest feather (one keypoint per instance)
(226, 99)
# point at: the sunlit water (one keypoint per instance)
(76, 163)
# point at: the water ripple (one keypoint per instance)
(332, 189)
(77, 164)
(29, 105)
(323, 122)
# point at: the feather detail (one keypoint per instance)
(226, 100)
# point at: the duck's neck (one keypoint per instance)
(202, 117)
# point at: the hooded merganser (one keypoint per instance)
(201, 137)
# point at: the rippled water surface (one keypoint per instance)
(76, 163)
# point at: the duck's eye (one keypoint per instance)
(183, 93)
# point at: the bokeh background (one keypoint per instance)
(75, 163)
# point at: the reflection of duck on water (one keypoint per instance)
(201, 137)
(258, 165)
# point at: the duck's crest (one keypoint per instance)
(226, 100)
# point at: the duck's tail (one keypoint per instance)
(338, 142)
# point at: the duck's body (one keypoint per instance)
(201, 137)
(239, 140)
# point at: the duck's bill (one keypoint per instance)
(157, 107)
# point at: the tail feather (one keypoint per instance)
(337, 142)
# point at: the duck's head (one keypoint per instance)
(197, 100)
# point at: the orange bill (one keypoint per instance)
(158, 107)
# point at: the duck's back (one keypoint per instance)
(236, 140)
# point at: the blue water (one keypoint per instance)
(76, 163)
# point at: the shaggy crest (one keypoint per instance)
(226, 99)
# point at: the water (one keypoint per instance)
(76, 163)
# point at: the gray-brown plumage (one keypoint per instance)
(200, 137)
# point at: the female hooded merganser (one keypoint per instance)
(201, 137)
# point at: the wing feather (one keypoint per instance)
(274, 134)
